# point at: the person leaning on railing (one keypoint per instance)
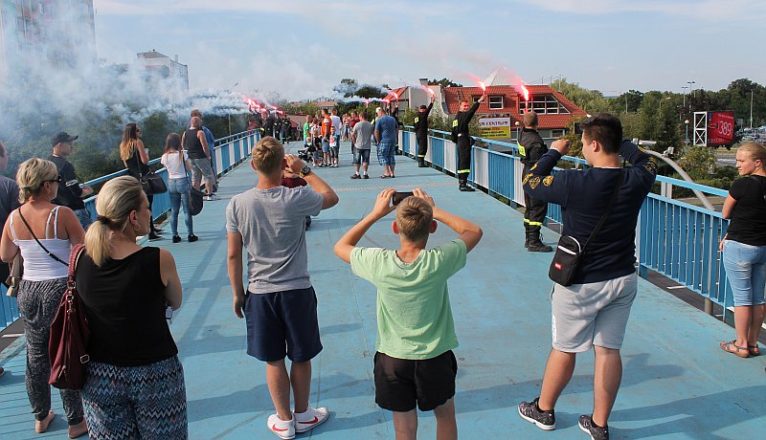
(36, 224)
(134, 386)
(744, 249)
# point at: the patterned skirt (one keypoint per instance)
(144, 402)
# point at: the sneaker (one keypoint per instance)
(596, 432)
(193, 238)
(545, 420)
(356, 176)
(176, 239)
(153, 236)
(366, 176)
(313, 417)
(209, 198)
(284, 429)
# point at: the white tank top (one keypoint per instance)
(38, 265)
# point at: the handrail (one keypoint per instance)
(226, 154)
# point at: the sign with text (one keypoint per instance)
(720, 128)
(495, 128)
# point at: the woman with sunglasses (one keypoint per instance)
(44, 234)
(136, 160)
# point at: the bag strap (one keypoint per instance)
(38, 241)
(138, 162)
(608, 210)
(74, 258)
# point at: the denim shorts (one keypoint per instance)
(746, 270)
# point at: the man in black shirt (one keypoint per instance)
(462, 137)
(594, 310)
(531, 149)
(71, 192)
(421, 131)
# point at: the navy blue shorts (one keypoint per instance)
(283, 323)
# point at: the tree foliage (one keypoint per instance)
(444, 82)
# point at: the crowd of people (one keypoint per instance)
(135, 385)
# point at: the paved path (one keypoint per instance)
(677, 383)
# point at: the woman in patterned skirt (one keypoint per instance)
(135, 383)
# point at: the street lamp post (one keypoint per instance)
(686, 140)
(517, 131)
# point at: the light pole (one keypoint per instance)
(689, 86)
(751, 109)
(517, 131)
(686, 140)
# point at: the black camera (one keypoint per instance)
(399, 196)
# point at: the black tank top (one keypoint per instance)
(135, 166)
(193, 145)
(124, 301)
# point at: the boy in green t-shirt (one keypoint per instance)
(414, 363)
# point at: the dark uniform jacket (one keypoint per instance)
(421, 121)
(531, 146)
(462, 120)
(69, 192)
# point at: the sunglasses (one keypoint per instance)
(58, 179)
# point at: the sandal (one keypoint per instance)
(754, 350)
(733, 348)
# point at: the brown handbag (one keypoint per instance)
(69, 334)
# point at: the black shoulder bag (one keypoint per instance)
(195, 196)
(50, 254)
(569, 252)
(151, 182)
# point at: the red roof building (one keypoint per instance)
(554, 110)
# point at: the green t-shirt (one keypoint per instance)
(306, 127)
(413, 309)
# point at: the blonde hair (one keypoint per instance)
(116, 200)
(756, 151)
(414, 216)
(129, 141)
(268, 155)
(32, 175)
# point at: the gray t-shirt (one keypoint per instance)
(363, 131)
(272, 225)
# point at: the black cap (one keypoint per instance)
(63, 138)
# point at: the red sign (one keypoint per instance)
(720, 128)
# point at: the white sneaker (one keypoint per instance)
(284, 429)
(313, 417)
(209, 198)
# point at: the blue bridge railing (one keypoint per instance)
(674, 238)
(227, 153)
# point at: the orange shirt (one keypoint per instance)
(326, 125)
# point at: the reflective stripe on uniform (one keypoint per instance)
(421, 155)
(522, 151)
(463, 171)
(454, 123)
(531, 223)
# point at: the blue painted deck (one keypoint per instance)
(677, 383)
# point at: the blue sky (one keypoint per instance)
(301, 49)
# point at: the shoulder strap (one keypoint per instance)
(608, 209)
(136, 154)
(38, 242)
(13, 230)
(74, 258)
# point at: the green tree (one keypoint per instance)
(592, 101)
(444, 82)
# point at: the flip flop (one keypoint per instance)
(754, 350)
(733, 348)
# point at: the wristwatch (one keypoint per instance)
(305, 171)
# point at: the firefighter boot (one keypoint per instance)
(527, 240)
(535, 245)
(422, 162)
(464, 184)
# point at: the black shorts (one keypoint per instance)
(401, 383)
(282, 323)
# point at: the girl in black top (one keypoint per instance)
(135, 384)
(744, 249)
(136, 160)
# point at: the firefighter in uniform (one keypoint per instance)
(421, 131)
(531, 149)
(462, 138)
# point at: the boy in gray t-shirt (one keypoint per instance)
(280, 304)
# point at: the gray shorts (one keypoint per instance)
(584, 315)
(200, 168)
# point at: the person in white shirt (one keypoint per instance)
(177, 162)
